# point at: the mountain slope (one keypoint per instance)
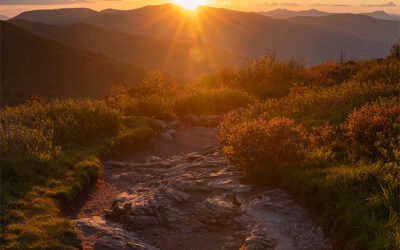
(58, 16)
(34, 65)
(285, 14)
(250, 34)
(185, 59)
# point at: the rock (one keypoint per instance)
(208, 150)
(109, 235)
(148, 207)
(161, 123)
(192, 157)
(216, 210)
(201, 194)
(171, 131)
(117, 164)
(167, 137)
(259, 240)
(153, 159)
(174, 124)
(198, 186)
(119, 177)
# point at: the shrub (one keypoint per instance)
(210, 102)
(130, 140)
(154, 106)
(155, 83)
(269, 76)
(69, 122)
(29, 144)
(370, 127)
(316, 106)
(261, 147)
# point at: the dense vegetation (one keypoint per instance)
(332, 138)
(329, 133)
(49, 149)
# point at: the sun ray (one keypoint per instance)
(190, 4)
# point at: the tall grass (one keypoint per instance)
(47, 151)
(349, 168)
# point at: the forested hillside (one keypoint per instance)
(32, 65)
(188, 60)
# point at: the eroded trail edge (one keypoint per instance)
(196, 201)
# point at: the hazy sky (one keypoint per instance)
(13, 7)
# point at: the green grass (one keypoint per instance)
(48, 152)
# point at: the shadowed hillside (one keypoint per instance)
(184, 59)
(248, 34)
(34, 65)
(285, 13)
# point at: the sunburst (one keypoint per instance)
(190, 4)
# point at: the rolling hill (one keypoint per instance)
(35, 65)
(179, 58)
(285, 14)
(248, 34)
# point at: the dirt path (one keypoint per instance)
(184, 195)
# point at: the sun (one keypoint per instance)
(190, 4)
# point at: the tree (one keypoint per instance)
(395, 50)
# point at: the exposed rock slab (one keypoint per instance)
(198, 201)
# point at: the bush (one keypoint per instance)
(69, 122)
(130, 140)
(369, 128)
(316, 106)
(155, 83)
(210, 102)
(262, 147)
(154, 106)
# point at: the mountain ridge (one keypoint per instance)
(35, 65)
(286, 13)
(179, 58)
(250, 34)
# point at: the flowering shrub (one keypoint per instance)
(370, 127)
(260, 146)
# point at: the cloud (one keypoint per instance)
(328, 5)
(388, 4)
(280, 4)
(41, 2)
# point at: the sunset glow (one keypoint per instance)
(190, 4)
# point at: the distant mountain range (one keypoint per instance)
(242, 33)
(31, 64)
(179, 58)
(285, 14)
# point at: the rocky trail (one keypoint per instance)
(182, 194)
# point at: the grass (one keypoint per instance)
(349, 171)
(328, 133)
(49, 151)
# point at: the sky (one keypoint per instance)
(11, 8)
